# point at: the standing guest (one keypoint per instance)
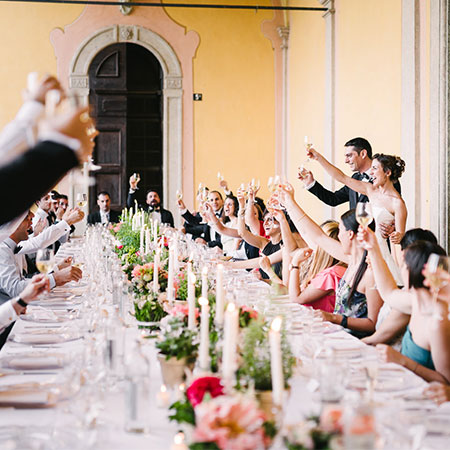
(153, 204)
(387, 203)
(105, 214)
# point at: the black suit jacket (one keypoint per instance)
(166, 215)
(95, 217)
(193, 226)
(343, 195)
(32, 174)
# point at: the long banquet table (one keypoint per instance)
(94, 416)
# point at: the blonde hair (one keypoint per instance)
(321, 259)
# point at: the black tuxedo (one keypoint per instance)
(193, 226)
(95, 217)
(343, 195)
(28, 177)
(166, 215)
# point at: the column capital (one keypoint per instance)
(328, 4)
(283, 32)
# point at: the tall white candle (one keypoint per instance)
(135, 206)
(276, 365)
(176, 263)
(155, 232)
(141, 241)
(170, 281)
(204, 335)
(205, 282)
(191, 298)
(219, 295)
(147, 241)
(156, 270)
(231, 330)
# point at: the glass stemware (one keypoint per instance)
(45, 260)
(81, 200)
(436, 273)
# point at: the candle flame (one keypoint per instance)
(182, 387)
(205, 270)
(203, 301)
(276, 324)
(231, 307)
(192, 278)
(163, 388)
(179, 438)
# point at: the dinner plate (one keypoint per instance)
(34, 361)
(44, 338)
(46, 315)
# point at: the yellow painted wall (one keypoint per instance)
(368, 81)
(26, 47)
(234, 128)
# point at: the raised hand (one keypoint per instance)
(366, 237)
(241, 197)
(312, 153)
(300, 255)
(305, 175)
(39, 227)
(39, 283)
(133, 183)
(73, 215)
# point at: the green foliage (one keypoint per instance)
(256, 356)
(183, 412)
(151, 311)
(270, 429)
(182, 287)
(204, 446)
(178, 341)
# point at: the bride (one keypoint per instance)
(387, 204)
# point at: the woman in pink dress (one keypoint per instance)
(317, 288)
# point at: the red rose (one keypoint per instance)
(197, 390)
(119, 247)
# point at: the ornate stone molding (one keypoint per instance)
(124, 9)
(173, 46)
(284, 35)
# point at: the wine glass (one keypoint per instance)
(436, 272)
(137, 177)
(81, 200)
(364, 216)
(179, 195)
(45, 260)
(219, 176)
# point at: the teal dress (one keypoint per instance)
(415, 352)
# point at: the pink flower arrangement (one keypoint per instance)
(182, 311)
(246, 309)
(233, 423)
(141, 271)
(201, 386)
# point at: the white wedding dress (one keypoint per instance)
(382, 215)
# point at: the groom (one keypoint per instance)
(358, 155)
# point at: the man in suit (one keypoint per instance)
(358, 155)
(153, 204)
(105, 214)
(206, 235)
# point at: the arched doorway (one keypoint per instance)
(126, 83)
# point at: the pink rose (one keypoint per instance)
(197, 390)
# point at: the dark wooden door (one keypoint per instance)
(126, 95)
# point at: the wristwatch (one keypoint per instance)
(22, 303)
(344, 321)
(291, 266)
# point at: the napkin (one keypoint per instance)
(33, 362)
(27, 397)
(39, 339)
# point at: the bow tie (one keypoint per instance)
(154, 209)
(17, 249)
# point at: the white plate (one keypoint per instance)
(44, 338)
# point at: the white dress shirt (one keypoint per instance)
(104, 217)
(8, 315)
(12, 281)
(47, 237)
(20, 134)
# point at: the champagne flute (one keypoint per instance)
(364, 214)
(45, 260)
(436, 272)
(137, 177)
(179, 195)
(219, 176)
(81, 200)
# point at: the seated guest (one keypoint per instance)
(105, 214)
(425, 349)
(357, 302)
(207, 235)
(43, 211)
(318, 289)
(230, 209)
(64, 143)
(12, 267)
(153, 204)
(391, 323)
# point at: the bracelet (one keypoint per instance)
(22, 303)
(344, 321)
